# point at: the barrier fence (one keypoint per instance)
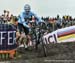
(7, 41)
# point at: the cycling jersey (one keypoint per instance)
(23, 16)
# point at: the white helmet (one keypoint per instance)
(27, 8)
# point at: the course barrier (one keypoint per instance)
(61, 35)
(8, 43)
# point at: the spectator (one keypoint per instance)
(58, 22)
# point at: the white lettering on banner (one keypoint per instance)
(14, 35)
(50, 38)
(53, 36)
(1, 39)
(8, 38)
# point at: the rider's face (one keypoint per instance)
(27, 11)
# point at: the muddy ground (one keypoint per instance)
(56, 53)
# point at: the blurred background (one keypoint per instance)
(40, 7)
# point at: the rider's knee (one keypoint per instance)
(17, 34)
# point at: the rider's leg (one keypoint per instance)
(20, 26)
(26, 30)
(17, 37)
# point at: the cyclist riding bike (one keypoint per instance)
(22, 22)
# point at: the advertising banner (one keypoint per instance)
(61, 35)
(7, 37)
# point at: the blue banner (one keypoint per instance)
(7, 37)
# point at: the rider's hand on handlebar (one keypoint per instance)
(41, 22)
(29, 25)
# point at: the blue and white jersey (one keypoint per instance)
(23, 15)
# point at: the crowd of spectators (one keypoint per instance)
(57, 22)
(66, 20)
(51, 23)
(7, 17)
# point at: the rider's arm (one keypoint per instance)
(22, 20)
(38, 18)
